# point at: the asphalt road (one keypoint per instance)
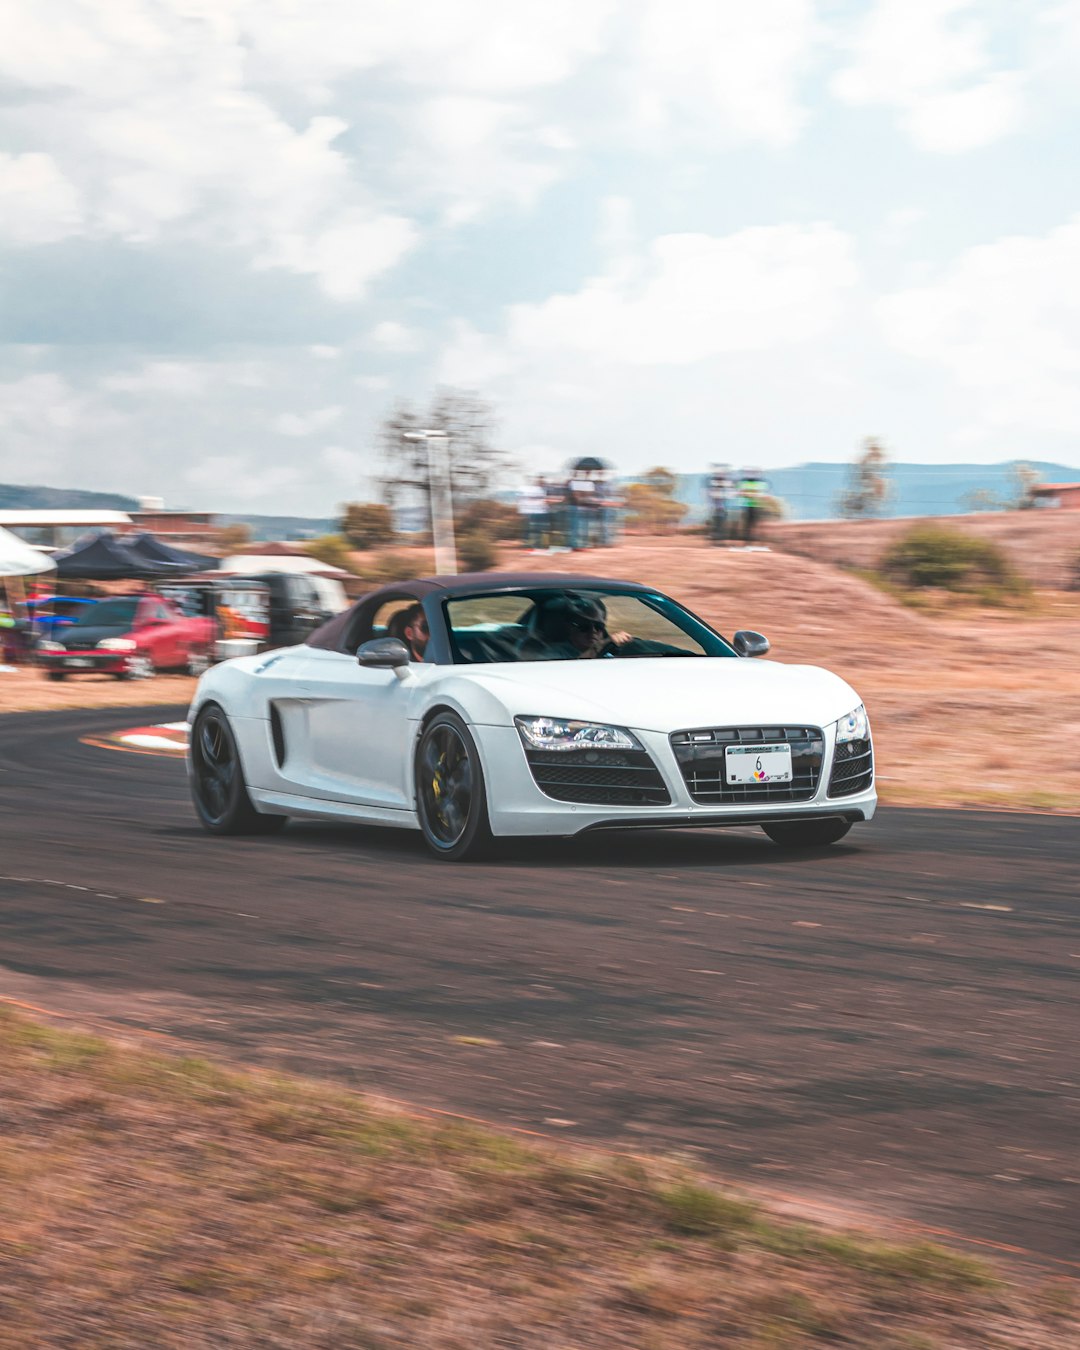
(890, 1027)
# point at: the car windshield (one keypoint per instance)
(108, 614)
(563, 624)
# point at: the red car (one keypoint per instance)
(131, 637)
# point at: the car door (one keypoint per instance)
(164, 635)
(357, 730)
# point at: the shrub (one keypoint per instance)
(476, 552)
(368, 524)
(498, 520)
(390, 566)
(332, 549)
(930, 555)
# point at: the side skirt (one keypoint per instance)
(312, 808)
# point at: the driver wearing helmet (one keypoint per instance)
(569, 626)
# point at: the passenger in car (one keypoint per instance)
(411, 626)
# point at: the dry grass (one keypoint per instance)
(151, 1200)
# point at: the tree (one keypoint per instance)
(983, 499)
(651, 504)
(477, 465)
(868, 484)
(233, 538)
(1025, 480)
(368, 524)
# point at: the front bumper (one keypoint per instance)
(86, 663)
(517, 805)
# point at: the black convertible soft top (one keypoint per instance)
(347, 630)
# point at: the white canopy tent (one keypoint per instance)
(21, 560)
(274, 562)
(17, 561)
(324, 576)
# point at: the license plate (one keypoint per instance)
(81, 661)
(757, 764)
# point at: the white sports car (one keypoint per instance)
(479, 707)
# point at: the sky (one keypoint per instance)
(234, 234)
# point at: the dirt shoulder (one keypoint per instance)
(155, 1200)
(26, 689)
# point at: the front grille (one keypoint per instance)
(701, 758)
(852, 770)
(598, 777)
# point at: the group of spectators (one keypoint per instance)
(569, 513)
(737, 502)
(580, 510)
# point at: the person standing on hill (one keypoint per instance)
(533, 508)
(752, 491)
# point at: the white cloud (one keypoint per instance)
(394, 337)
(695, 296)
(929, 60)
(242, 478)
(344, 466)
(473, 46)
(38, 205)
(157, 136)
(305, 424)
(725, 70)
(180, 378)
(1004, 322)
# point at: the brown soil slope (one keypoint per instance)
(1044, 545)
(967, 709)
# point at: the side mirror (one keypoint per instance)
(385, 653)
(748, 643)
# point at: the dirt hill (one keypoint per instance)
(1043, 544)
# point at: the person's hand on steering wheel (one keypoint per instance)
(613, 642)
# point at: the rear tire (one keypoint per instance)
(451, 799)
(807, 833)
(56, 674)
(217, 780)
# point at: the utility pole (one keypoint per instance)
(439, 496)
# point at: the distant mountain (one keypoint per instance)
(16, 497)
(283, 527)
(811, 490)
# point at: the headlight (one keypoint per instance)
(854, 727)
(50, 647)
(116, 645)
(553, 733)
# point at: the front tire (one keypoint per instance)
(807, 833)
(140, 667)
(217, 779)
(451, 799)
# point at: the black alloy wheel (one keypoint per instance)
(217, 779)
(451, 801)
(807, 833)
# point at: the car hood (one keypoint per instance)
(78, 638)
(667, 694)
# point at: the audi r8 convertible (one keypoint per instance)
(475, 708)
